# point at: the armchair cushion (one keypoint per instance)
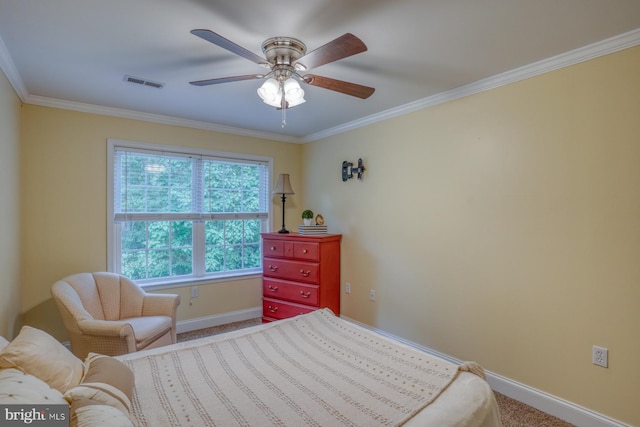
(39, 354)
(149, 328)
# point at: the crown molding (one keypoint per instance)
(9, 68)
(155, 118)
(586, 53)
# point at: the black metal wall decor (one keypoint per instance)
(348, 170)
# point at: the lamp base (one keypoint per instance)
(283, 230)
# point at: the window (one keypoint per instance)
(178, 216)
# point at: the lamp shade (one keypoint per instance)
(283, 186)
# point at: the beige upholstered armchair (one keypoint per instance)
(107, 313)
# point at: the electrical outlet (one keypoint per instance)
(372, 295)
(195, 292)
(600, 356)
(347, 288)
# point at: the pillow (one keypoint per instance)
(39, 354)
(3, 343)
(18, 388)
(105, 369)
(107, 381)
(101, 393)
(89, 413)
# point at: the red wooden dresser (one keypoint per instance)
(300, 274)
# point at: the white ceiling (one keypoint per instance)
(74, 54)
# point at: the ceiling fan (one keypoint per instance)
(286, 57)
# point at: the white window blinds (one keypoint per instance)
(157, 185)
(185, 216)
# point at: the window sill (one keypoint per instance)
(197, 281)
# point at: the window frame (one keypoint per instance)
(113, 251)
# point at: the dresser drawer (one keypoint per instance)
(296, 292)
(273, 248)
(306, 250)
(291, 270)
(282, 310)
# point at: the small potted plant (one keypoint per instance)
(307, 217)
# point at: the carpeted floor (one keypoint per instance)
(200, 333)
(517, 414)
(513, 412)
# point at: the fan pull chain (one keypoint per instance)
(283, 105)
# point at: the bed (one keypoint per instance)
(315, 369)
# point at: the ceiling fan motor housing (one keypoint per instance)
(283, 50)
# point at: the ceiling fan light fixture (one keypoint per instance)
(293, 93)
(270, 93)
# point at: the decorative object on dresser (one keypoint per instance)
(300, 274)
(283, 186)
(307, 217)
(308, 230)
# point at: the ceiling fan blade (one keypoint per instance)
(341, 86)
(227, 79)
(342, 47)
(217, 39)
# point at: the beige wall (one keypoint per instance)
(504, 228)
(9, 208)
(63, 182)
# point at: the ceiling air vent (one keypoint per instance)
(143, 82)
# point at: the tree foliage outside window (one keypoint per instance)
(180, 215)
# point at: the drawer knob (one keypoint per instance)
(273, 309)
(273, 288)
(273, 267)
(305, 274)
(304, 251)
(273, 248)
(305, 294)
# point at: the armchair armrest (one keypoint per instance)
(160, 305)
(106, 328)
(105, 337)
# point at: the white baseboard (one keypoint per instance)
(218, 319)
(560, 408)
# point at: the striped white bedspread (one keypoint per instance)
(312, 370)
